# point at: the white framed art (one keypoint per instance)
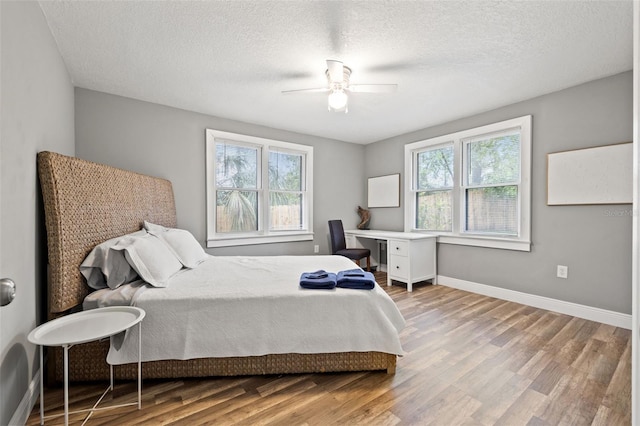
(384, 191)
(600, 175)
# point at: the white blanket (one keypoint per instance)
(251, 306)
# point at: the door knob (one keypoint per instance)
(7, 291)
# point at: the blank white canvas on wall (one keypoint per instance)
(384, 191)
(601, 175)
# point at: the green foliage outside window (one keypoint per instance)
(237, 183)
(434, 182)
(491, 194)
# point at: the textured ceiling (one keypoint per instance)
(232, 59)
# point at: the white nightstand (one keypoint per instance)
(83, 327)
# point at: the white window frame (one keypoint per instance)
(263, 235)
(414, 181)
(521, 241)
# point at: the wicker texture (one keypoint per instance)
(98, 369)
(86, 203)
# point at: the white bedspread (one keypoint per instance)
(249, 306)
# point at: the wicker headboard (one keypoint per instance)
(86, 203)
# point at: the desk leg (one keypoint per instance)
(66, 385)
(388, 266)
(41, 385)
(139, 365)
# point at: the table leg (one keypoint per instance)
(66, 385)
(41, 385)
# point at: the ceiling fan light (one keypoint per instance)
(337, 100)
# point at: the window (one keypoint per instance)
(258, 190)
(286, 196)
(434, 189)
(472, 187)
(237, 170)
(490, 183)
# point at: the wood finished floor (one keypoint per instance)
(470, 360)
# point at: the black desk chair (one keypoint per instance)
(339, 245)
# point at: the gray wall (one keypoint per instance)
(37, 114)
(170, 143)
(593, 241)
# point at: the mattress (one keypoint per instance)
(251, 306)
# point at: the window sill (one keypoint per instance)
(255, 239)
(499, 243)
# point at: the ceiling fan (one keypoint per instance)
(339, 86)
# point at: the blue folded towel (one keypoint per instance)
(318, 280)
(357, 279)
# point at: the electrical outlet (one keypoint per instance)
(316, 249)
(563, 271)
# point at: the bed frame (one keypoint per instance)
(86, 203)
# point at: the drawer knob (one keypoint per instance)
(397, 248)
(397, 267)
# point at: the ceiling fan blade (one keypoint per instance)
(336, 71)
(372, 88)
(316, 90)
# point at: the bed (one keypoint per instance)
(87, 203)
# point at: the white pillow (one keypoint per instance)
(150, 257)
(104, 268)
(181, 243)
(153, 228)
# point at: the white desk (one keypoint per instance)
(411, 257)
(83, 327)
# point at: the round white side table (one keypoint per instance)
(83, 327)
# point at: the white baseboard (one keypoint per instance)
(28, 401)
(604, 316)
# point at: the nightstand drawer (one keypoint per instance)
(399, 267)
(399, 248)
